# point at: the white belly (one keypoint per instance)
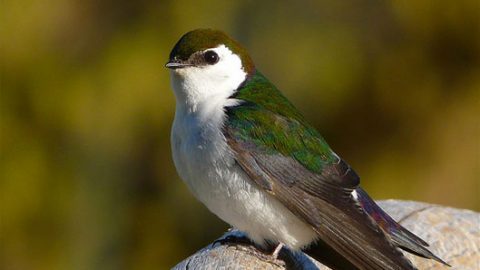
(205, 163)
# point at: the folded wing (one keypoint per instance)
(290, 160)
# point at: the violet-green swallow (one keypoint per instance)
(251, 157)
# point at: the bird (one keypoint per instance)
(253, 160)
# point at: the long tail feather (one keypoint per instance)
(399, 235)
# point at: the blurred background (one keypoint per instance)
(86, 174)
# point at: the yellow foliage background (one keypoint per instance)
(87, 180)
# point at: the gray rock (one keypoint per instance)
(453, 235)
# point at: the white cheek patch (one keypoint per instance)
(194, 86)
(228, 70)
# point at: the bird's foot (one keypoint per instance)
(233, 239)
(275, 254)
(277, 250)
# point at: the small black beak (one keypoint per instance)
(172, 64)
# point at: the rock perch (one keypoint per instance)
(453, 234)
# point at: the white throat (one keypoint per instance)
(206, 87)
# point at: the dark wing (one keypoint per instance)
(293, 163)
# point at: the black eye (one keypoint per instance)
(211, 57)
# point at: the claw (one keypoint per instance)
(232, 239)
(277, 251)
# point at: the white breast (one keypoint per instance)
(205, 162)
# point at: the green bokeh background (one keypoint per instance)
(87, 180)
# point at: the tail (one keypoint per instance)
(399, 235)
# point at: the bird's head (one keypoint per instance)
(206, 64)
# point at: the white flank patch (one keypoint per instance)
(355, 195)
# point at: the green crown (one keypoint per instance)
(202, 39)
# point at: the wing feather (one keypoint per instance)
(321, 198)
